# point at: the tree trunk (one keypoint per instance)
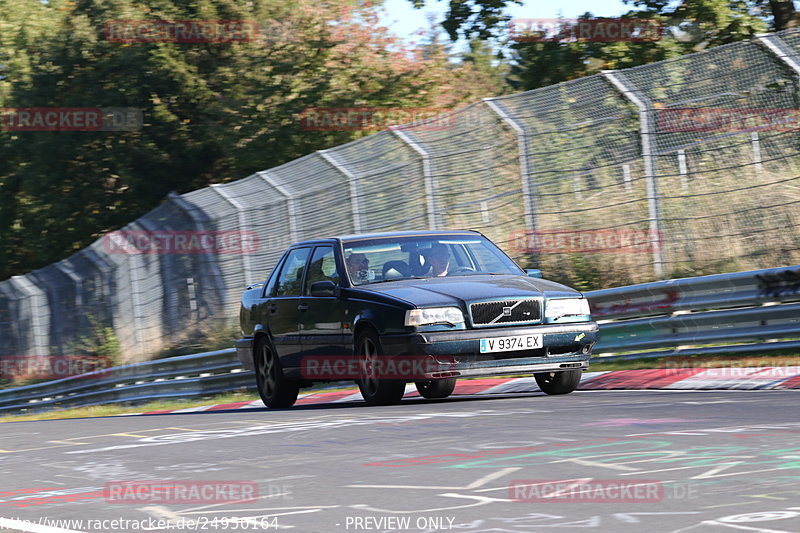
(783, 13)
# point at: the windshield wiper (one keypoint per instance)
(398, 279)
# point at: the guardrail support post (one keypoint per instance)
(355, 200)
(427, 174)
(528, 188)
(653, 207)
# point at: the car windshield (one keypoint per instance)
(388, 259)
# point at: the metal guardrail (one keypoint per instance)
(186, 376)
(700, 316)
(681, 317)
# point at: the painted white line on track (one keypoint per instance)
(515, 385)
(193, 409)
(355, 397)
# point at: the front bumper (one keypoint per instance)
(564, 347)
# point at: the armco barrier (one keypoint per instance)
(739, 313)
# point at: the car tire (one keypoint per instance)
(275, 390)
(374, 390)
(562, 382)
(436, 388)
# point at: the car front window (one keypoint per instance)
(292, 273)
(388, 259)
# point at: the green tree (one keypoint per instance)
(486, 18)
(474, 18)
(213, 112)
(688, 27)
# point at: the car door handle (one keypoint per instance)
(272, 308)
(302, 307)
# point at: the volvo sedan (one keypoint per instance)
(426, 308)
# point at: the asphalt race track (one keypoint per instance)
(653, 461)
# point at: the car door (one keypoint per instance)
(321, 317)
(282, 306)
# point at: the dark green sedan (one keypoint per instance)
(426, 308)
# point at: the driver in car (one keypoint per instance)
(439, 258)
(358, 266)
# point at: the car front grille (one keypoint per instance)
(506, 312)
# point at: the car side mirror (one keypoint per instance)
(533, 273)
(323, 288)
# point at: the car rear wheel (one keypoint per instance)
(376, 391)
(275, 390)
(558, 382)
(438, 388)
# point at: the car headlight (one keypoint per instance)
(434, 315)
(555, 309)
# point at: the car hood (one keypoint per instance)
(452, 290)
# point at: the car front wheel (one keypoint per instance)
(434, 389)
(275, 390)
(376, 391)
(558, 382)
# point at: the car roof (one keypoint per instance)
(385, 235)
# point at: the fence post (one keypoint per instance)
(427, 174)
(142, 320)
(626, 176)
(40, 321)
(528, 188)
(106, 270)
(289, 202)
(683, 169)
(653, 207)
(102, 298)
(355, 200)
(243, 225)
(199, 221)
(778, 47)
(787, 56)
(80, 310)
(756, 150)
(77, 280)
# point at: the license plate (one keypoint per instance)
(510, 344)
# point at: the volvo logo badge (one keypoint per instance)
(506, 311)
